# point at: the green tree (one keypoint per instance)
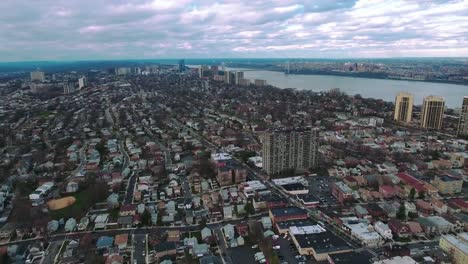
(146, 218)
(421, 195)
(412, 215)
(401, 214)
(249, 208)
(202, 223)
(412, 194)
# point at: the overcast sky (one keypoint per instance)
(126, 29)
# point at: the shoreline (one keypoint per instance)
(351, 75)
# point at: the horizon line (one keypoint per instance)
(242, 58)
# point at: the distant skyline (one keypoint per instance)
(49, 30)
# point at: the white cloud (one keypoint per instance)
(82, 29)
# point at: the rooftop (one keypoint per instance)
(351, 258)
(287, 211)
(297, 223)
(447, 178)
(458, 243)
(302, 230)
(324, 242)
(343, 187)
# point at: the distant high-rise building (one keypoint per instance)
(136, 70)
(244, 82)
(38, 76)
(403, 107)
(202, 71)
(123, 71)
(432, 112)
(68, 87)
(215, 69)
(239, 76)
(258, 82)
(229, 77)
(463, 121)
(285, 150)
(181, 65)
(82, 82)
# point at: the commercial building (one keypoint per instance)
(362, 231)
(293, 185)
(284, 150)
(432, 112)
(286, 214)
(353, 257)
(457, 247)
(397, 260)
(447, 184)
(403, 107)
(318, 242)
(283, 227)
(463, 121)
(37, 76)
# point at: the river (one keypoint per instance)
(375, 88)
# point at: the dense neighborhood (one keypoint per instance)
(177, 164)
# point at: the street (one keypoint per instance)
(139, 248)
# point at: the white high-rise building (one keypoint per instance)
(82, 82)
(239, 77)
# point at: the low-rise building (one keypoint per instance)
(435, 225)
(319, 245)
(287, 213)
(342, 192)
(456, 247)
(383, 230)
(362, 230)
(397, 260)
(446, 184)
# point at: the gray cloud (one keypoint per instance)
(119, 29)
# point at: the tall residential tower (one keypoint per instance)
(463, 121)
(285, 150)
(403, 107)
(432, 112)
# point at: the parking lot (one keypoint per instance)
(321, 187)
(244, 254)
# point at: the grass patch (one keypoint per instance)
(78, 209)
(84, 200)
(404, 239)
(45, 113)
